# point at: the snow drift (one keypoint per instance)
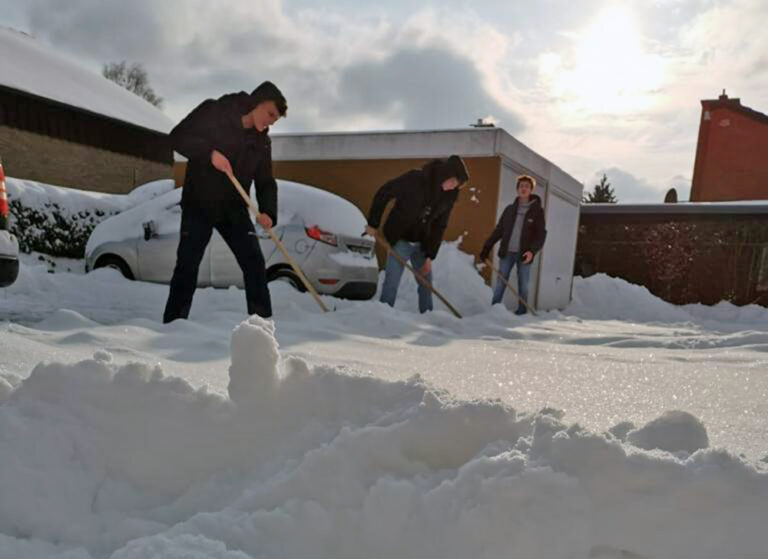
(101, 460)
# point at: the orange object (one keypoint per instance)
(3, 195)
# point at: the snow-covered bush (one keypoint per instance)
(53, 229)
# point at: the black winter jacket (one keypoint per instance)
(421, 209)
(217, 125)
(533, 235)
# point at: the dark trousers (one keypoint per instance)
(240, 235)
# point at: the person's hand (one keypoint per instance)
(220, 162)
(527, 257)
(426, 267)
(370, 231)
(264, 220)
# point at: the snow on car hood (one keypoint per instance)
(297, 203)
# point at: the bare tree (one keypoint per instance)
(133, 78)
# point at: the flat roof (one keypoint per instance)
(419, 144)
(746, 207)
(387, 144)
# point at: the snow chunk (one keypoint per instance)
(674, 431)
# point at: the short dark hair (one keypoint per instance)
(268, 91)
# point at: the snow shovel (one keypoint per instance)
(421, 279)
(278, 243)
(509, 286)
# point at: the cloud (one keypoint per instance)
(422, 88)
(334, 66)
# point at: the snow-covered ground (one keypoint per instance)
(372, 432)
(622, 427)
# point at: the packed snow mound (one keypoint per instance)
(674, 431)
(101, 460)
(603, 297)
(455, 278)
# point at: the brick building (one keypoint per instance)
(66, 125)
(731, 154)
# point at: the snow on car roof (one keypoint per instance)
(297, 203)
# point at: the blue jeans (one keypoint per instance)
(394, 271)
(523, 275)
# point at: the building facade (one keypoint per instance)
(731, 153)
(46, 141)
(355, 165)
(63, 124)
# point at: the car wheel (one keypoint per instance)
(116, 263)
(289, 277)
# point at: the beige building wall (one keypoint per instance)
(40, 158)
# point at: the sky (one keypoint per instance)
(595, 86)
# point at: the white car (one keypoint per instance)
(321, 231)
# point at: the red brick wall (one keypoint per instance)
(732, 154)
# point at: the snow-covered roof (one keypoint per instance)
(30, 66)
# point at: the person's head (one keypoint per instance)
(525, 186)
(453, 174)
(268, 105)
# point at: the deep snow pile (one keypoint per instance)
(101, 460)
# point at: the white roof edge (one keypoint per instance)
(385, 144)
(483, 130)
(417, 144)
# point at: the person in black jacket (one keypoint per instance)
(229, 134)
(522, 232)
(424, 199)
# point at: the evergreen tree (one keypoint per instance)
(133, 78)
(602, 193)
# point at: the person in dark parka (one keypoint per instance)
(424, 199)
(229, 134)
(522, 232)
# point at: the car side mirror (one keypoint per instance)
(149, 230)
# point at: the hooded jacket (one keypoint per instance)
(217, 125)
(533, 235)
(422, 207)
